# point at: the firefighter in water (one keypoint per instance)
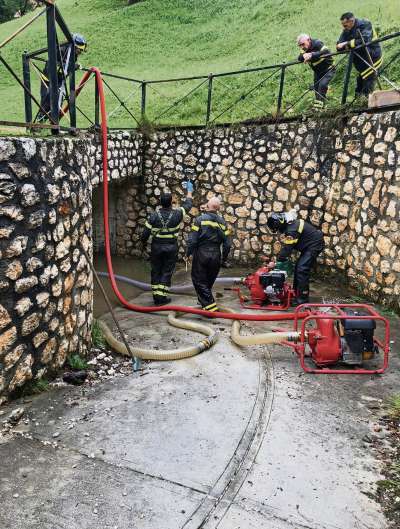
(64, 68)
(368, 60)
(164, 226)
(301, 236)
(313, 53)
(208, 233)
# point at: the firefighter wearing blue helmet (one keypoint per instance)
(64, 68)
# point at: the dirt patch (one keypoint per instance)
(388, 489)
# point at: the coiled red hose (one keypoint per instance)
(124, 302)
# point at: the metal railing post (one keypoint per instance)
(347, 78)
(281, 87)
(143, 102)
(52, 64)
(27, 82)
(72, 88)
(209, 98)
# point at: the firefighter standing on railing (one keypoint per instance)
(208, 233)
(314, 54)
(301, 236)
(64, 68)
(368, 60)
(164, 226)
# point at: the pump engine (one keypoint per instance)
(349, 340)
(339, 334)
(269, 290)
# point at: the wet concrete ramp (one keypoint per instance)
(231, 439)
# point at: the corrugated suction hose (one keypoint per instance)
(174, 354)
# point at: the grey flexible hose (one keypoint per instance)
(178, 289)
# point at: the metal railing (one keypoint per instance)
(270, 91)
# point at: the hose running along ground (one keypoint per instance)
(177, 289)
(122, 300)
(265, 338)
(175, 354)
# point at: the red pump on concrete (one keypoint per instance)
(349, 340)
(344, 334)
(269, 290)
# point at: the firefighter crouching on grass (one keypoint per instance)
(313, 53)
(301, 236)
(368, 60)
(164, 226)
(208, 233)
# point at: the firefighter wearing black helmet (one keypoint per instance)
(64, 68)
(368, 60)
(301, 236)
(164, 226)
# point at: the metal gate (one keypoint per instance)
(97, 216)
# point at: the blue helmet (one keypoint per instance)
(79, 41)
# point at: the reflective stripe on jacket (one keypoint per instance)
(164, 224)
(209, 229)
(300, 235)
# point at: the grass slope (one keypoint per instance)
(158, 39)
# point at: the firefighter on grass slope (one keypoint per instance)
(208, 233)
(301, 236)
(164, 226)
(368, 60)
(313, 53)
(64, 69)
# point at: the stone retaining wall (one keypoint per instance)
(46, 288)
(344, 176)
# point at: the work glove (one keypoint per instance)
(189, 186)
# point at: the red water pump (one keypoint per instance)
(339, 334)
(269, 290)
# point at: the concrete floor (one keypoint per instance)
(231, 439)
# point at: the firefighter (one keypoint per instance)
(304, 237)
(164, 226)
(209, 231)
(64, 68)
(368, 60)
(313, 53)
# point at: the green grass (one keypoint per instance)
(34, 387)
(158, 39)
(77, 362)
(394, 407)
(97, 335)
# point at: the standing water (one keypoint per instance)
(132, 268)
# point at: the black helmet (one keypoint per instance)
(277, 222)
(79, 41)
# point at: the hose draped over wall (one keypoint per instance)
(123, 301)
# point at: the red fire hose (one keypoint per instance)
(124, 302)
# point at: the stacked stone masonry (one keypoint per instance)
(344, 176)
(46, 287)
